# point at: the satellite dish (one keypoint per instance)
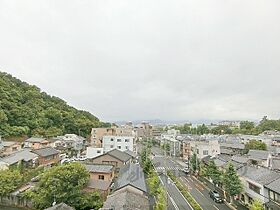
(54, 203)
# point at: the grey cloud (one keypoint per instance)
(148, 59)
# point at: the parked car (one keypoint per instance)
(215, 196)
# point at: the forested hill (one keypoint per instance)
(26, 111)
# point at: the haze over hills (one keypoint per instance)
(26, 110)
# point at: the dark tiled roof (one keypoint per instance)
(233, 146)
(99, 168)
(126, 201)
(240, 159)
(99, 184)
(24, 154)
(258, 154)
(61, 206)
(131, 174)
(260, 175)
(45, 152)
(119, 155)
(274, 186)
(132, 154)
(275, 164)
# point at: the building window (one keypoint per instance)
(101, 177)
(127, 140)
(197, 151)
(112, 139)
(119, 147)
(98, 151)
(205, 152)
(126, 147)
(111, 146)
(254, 188)
(119, 140)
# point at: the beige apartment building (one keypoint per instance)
(97, 134)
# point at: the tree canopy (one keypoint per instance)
(64, 184)
(25, 110)
(256, 145)
(9, 181)
(232, 183)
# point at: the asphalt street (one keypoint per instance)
(198, 190)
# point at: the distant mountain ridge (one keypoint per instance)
(26, 111)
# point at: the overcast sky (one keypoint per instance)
(148, 59)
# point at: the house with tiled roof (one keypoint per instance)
(47, 156)
(114, 157)
(255, 180)
(130, 191)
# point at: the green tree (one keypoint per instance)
(256, 205)
(9, 181)
(25, 110)
(64, 184)
(256, 145)
(231, 182)
(194, 163)
(214, 173)
(202, 129)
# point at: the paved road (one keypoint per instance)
(197, 190)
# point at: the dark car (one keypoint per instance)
(215, 196)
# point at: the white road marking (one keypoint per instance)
(187, 180)
(173, 202)
(200, 192)
(215, 207)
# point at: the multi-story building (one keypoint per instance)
(121, 143)
(97, 134)
(204, 148)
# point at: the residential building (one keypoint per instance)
(101, 177)
(204, 148)
(130, 191)
(47, 156)
(97, 134)
(9, 147)
(254, 180)
(36, 143)
(114, 157)
(233, 148)
(68, 141)
(25, 157)
(260, 157)
(118, 142)
(273, 189)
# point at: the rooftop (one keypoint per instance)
(119, 155)
(260, 175)
(131, 174)
(45, 152)
(24, 154)
(99, 168)
(126, 200)
(258, 154)
(36, 140)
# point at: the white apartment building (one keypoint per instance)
(121, 143)
(205, 148)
